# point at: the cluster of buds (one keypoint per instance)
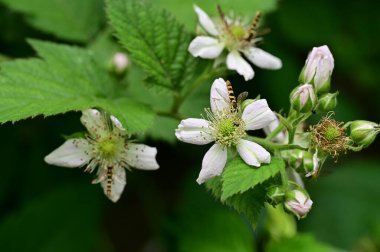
(313, 92)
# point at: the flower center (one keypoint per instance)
(109, 148)
(239, 32)
(329, 136)
(332, 133)
(228, 127)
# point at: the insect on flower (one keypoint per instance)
(106, 147)
(238, 38)
(226, 125)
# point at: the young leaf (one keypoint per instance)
(238, 177)
(67, 78)
(248, 203)
(155, 41)
(69, 19)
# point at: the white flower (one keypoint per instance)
(238, 39)
(298, 202)
(227, 128)
(107, 148)
(318, 68)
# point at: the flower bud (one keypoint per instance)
(295, 158)
(298, 202)
(303, 98)
(306, 164)
(364, 132)
(327, 102)
(120, 62)
(318, 69)
(276, 195)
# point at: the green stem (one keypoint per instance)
(275, 132)
(274, 146)
(284, 180)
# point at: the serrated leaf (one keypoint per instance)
(248, 203)
(239, 177)
(155, 41)
(67, 19)
(67, 78)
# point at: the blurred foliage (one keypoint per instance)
(45, 208)
(66, 19)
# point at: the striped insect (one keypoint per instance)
(109, 181)
(232, 99)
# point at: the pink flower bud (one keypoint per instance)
(303, 98)
(120, 61)
(298, 202)
(318, 69)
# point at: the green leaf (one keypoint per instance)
(300, 243)
(248, 203)
(69, 19)
(183, 10)
(156, 42)
(67, 78)
(238, 177)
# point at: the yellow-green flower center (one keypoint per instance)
(228, 127)
(239, 32)
(108, 148)
(332, 133)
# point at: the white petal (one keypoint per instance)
(252, 153)
(236, 62)
(219, 100)
(257, 115)
(262, 58)
(194, 131)
(141, 156)
(213, 163)
(281, 137)
(206, 21)
(95, 122)
(117, 123)
(117, 183)
(206, 47)
(73, 153)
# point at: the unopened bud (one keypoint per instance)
(327, 102)
(307, 164)
(303, 98)
(364, 132)
(120, 62)
(298, 202)
(276, 195)
(318, 69)
(295, 158)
